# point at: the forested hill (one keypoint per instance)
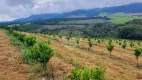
(129, 8)
(132, 30)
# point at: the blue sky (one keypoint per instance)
(12, 9)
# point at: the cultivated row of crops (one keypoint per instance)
(41, 52)
(38, 52)
(110, 44)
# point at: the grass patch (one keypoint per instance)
(119, 18)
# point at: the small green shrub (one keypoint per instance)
(76, 74)
(137, 53)
(88, 74)
(49, 41)
(139, 43)
(131, 44)
(41, 52)
(77, 40)
(99, 42)
(68, 38)
(124, 45)
(30, 40)
(89, 39)
(119, 43)
(21, 37)
(110, 47)
(15, 42)
(90, 44)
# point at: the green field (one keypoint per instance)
(119, 18)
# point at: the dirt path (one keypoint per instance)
(11, 67)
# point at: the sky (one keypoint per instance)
(13, 9)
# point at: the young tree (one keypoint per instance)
(70, 33)
(49, 42)
(54, 36)
(119, 43)
(110, 47)
(21, 37)
(102, 40)
(77, 41)
(124, 45)
(139, 43)
(88, 74)
(89, 39)
(68, 39)
(99, 42)
(137, 54)
(41, 52)
(30, 40)
(60, 36)
(110, 41)
(131, 44)
(90, 44)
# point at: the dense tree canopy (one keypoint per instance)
(131, 32)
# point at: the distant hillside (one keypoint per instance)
(131, 30)
(130, 8)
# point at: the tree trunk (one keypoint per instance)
(52, 71)
(68, 42)
(110, 54)
(137, 62)
(44, 67)
(90, 48)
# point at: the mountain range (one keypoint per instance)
(129, 8)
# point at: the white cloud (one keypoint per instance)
(24, 8)
(20, 2)
(4, 17)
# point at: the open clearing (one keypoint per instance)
(122, 65)
(121, 18)
(11, 66)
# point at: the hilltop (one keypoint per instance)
(129, 8)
